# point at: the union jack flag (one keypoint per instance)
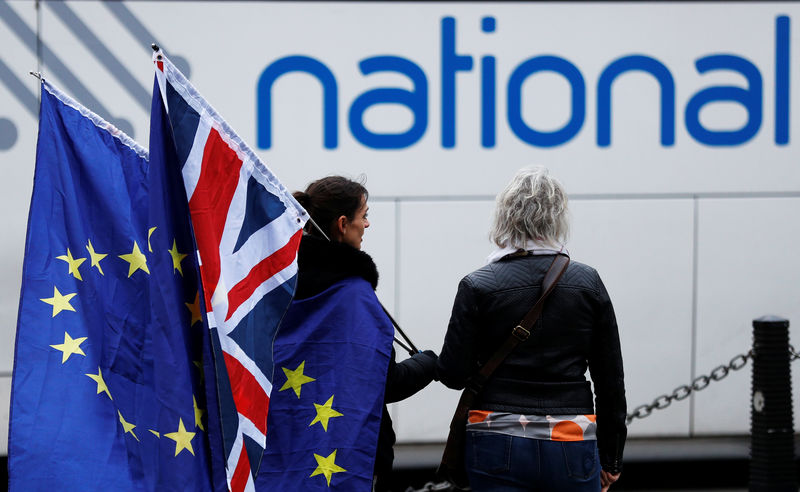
(247, 229)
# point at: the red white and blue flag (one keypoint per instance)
(247, 228)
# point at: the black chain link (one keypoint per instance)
(699, 383)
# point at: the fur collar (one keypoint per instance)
(322, 263)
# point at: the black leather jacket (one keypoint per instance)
(545, 374)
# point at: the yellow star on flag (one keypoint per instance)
(136, 259)
(296, 379)
(327, 466)
(324, 413)
(198, 414)
(73, 263)
(199, 365)
(101, 383)
(127, 426)
(95, 257)
(59, 302)
(177, 258)
(155, 433)
(182, 438)
(69, 347)
(194, 308)
(150, 233)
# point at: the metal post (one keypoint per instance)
(772, 466)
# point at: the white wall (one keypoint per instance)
(693, 241)
(18, 125)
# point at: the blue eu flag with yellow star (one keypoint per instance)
(331, 356)
(108, 386)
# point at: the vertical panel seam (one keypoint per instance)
(397, 269)
(397, 260)
(695, 255)
(38, 8)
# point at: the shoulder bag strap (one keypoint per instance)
(522, 331)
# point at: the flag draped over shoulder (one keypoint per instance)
(107, 389)
(333, 351)
(247, 228)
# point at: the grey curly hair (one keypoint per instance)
(532, 207)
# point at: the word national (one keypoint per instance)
(750, 98)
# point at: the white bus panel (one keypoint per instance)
(675, 128)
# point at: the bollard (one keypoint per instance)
(772, 466)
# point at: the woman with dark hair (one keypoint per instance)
(534, 425)
(339, 207)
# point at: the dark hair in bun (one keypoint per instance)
(302, 198)
(329, 198)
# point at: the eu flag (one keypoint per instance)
(331, 356)
(107, 391)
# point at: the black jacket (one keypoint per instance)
(321, 264)
(545, 374)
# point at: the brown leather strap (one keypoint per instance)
(522, 331)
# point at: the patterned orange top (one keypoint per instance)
(547, 427)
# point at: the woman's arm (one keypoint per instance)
(409, 376)
(605, 365)
(458, 360)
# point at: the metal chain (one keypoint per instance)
(699, 383)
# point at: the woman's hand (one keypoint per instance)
(606, 479)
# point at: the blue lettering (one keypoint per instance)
(329, 96)
(782, 80)
(416, 101)
(644, 64)
(451, 63)
(488, 91)
(575, 79)
(749, 98)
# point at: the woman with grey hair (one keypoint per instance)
(534, 424)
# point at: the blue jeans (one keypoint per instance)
(502, 463)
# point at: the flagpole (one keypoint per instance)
(405, 347)
(318, 227)
(413, 349)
